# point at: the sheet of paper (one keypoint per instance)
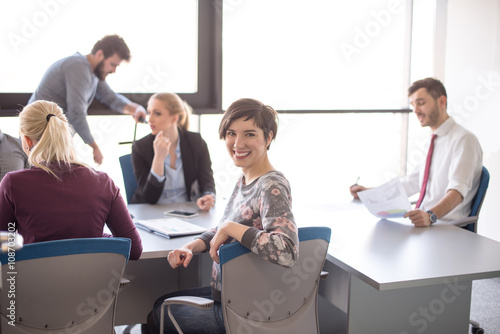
(386, 201)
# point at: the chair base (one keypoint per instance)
(475, 327)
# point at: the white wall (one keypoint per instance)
(472, 79)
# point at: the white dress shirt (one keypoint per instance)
(457, 161)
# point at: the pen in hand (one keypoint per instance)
(356, 183)
(353, 193)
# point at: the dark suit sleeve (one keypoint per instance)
(149, 189)
(205, 173)
(197, 165)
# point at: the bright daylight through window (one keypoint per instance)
(36, 33)
(316, 55)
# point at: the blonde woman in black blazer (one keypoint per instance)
(155, 153)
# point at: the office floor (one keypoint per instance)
(485, 304)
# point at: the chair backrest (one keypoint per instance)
(478, 199)
(63, 286)
(128, 176)
(262, 297)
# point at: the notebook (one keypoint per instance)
(170, 227)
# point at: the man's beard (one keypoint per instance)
(99, 72)
(433, 116)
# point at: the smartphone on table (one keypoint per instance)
(181, 214)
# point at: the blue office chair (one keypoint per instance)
(128, 176)
(261, 297)
(470, 223)
(63, 286)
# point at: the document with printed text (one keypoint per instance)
(386, 201)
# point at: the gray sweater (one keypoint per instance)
(12, 156)
(266, 206)
(71, 83)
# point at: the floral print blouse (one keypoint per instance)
(266, 206)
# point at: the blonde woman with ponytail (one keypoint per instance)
(47, 141)
(60, 197)
(172, 164)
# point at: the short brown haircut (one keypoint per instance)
(111, 44)
(264, 116)
(434, 87)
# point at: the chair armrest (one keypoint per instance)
(124, 282)
(199, 302)
(10, 241)
(465, 221)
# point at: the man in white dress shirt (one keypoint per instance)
(456, 165)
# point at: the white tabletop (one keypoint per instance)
(384, 254)
(156, 246)
(395, 254)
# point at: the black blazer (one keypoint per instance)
(196, 163)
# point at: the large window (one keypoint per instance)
(336, 70)
(311, 58)
(42, 32)
(318, 54)
(173, 48)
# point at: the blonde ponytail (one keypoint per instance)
(184, 120)
(46, 125)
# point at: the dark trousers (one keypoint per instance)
(190, 319)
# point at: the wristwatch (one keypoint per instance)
(432, 216)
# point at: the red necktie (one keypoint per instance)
(426, 172)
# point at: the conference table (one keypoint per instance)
(385, 276)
